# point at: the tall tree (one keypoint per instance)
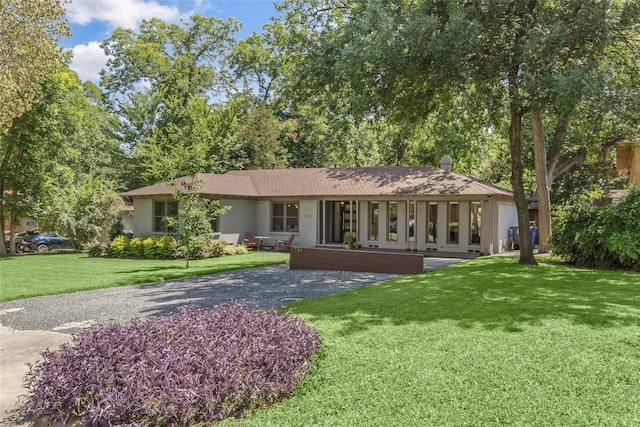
(196, 137)
(30, 31)
(61, 160)
(161, 80)
(603, 39)
(256, 133)
(256, 64)
(30, 148)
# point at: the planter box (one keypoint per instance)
(355, 260)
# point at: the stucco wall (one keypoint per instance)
(142, 217)
(241, 218)
(507, 217)
(308, 234)
(127, 221)
(251, 215)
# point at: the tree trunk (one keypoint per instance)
(3, 249)
(515, 145)
(542, 190)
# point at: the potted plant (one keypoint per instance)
(347, 239)
(356, 245)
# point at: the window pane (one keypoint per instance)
(172, 209)
(159, 223)
(412, 221)
(292, 224)
(292, 209)
(373, 221)
(292, 216)
(277, 224)
(158, 208)
(454, 223)
(476, 223)
(277, 217)
(278, 209)
(392, 218)
(432, 223)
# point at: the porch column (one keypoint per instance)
(321, 223)
(351, 219)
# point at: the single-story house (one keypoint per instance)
(420, 208)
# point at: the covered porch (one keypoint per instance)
(438, 225)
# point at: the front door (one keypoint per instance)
(339, 217)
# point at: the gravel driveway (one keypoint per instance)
(262, 287)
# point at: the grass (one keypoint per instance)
(27, 276)
(484, 343)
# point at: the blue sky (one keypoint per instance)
(92, 21)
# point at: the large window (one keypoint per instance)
(161, 212)
(285, 216)
(392, 221)
(432, 222)
(476, 223)
(453, 214)
(374, 213)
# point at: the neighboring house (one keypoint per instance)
(401, 207)
(628, 165)
(24, 224)
(628, 160)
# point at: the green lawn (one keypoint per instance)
(27, 276)
(484, 343)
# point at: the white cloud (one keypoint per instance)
(88, 60)
(119, 13)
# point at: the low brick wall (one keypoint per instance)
(355, 260)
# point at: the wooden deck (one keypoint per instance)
(361, 260)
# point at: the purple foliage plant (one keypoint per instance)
(193, 366)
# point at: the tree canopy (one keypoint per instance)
(30, 31)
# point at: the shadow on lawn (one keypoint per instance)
(493, 293)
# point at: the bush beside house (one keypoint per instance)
(164, 247)
(600, 237)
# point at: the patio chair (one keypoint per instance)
(250, 240)
(284, 246)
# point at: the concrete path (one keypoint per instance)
(17, 348)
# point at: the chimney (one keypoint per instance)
(445, 163)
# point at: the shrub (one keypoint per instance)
(164, 247)
(149, 247)
(119, 247)
(228, 250)
(240, 250)
(201, 247)
(194, 366)
(116, 229)
(601, 237)
(137, 246)
(96, 249)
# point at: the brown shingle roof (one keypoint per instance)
(214, 184)
(315, 182)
